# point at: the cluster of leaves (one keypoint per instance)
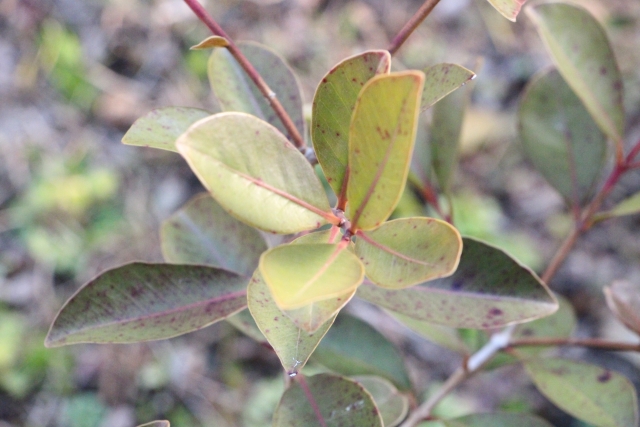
(219, 266)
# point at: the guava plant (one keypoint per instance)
(253, 159)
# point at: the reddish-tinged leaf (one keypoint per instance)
(210, 43)
(508, 8)
(143, 302)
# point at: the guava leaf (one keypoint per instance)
(623, 299)
(156, 424)
(203, 233)
(392, 405)
(333, 106)
(255, 173)
(442, 79)
(236, 92)
(299, 275)
(143, 302)
(381, 136)
(629, 206)
(211, 42)
(444, 138)
(347, 349)
(161, 128)
(444, 336)
(244, 322)
(497, 420)
(292, 345)
(488, 290)
(339, 401)
(508, 8)
(596, 395)
(408, 251)
(580, 49)
(560, 138)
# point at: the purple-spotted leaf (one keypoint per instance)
(312, 316)
(161, 128)
(264, 181)
(560, 138)
(204, 233)
(292, 345)
(408, 251)
(623, 298)
(162, 423)
(381, 138)
(442, 79)
(497, 420)
(236, 92)
(629, 206)
(508, 8)
(444, 138)
(444, 336)
(320, 271)
(143, 302)
(488, 290)
(596, 395)
(333, 106)
(211, 42)
(583, 55)
(336, 402)
(393, 406)
(347, 349)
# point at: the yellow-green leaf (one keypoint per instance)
(596, 395)
(299, 275)
(581, 50)
(408, 251)
(333, 106)
(508, 8)
(292, 345)
(161, 128)
(381, 138)
(211, 42)
(255, 173)
(629, 206)
(442, 79)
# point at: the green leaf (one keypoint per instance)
(255, 173)
(292, 345)
(446, 128)
(333, 106)
(488, 290)
(204, 233)
(497, 420)
(347, 349)
(392, 405)
(559, 325)
(508, 8)
(381, 137)
(443, 336)
(340, 402)
(629, 206)
(161, 128)
(596, 395)
(560, 138)
(211, 42)
(143, 302)
(236, 92)
(583, 55)
(322, 271)
(243, 321)
(442, 79)
(404, 252)
(623, 299)
(156, 424)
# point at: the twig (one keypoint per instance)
(269, 95)
(411, 25)
(579, 342)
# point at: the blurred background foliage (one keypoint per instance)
(75, 74)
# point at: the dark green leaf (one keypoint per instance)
(143, 302)
(488, 290)
(243, 321)
(340, 402)
(560, 138)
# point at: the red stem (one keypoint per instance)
(269, 95)
(411, 25)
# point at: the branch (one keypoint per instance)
(269, 95)
(411, 25)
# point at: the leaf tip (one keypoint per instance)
(210, 43)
